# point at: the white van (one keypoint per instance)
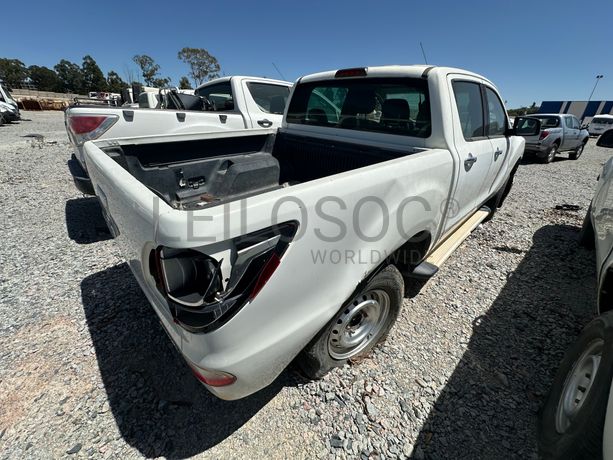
(600, 124)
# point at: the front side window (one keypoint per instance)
(576, 124)
(386, 105)
(220, 96)
(470, 108)
(497, 119)
(269, 98)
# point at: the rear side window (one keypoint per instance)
(470, 108)
(386, 105)
(568, 121)
(220, 95)
(269, 98)
(497, 119)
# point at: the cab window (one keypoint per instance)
(220, 95)
(470, 108)
(497, 119)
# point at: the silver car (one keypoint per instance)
(577, 418)
(559, 133)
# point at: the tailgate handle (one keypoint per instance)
(180, 116)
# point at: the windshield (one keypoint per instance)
(386, 105)
(548, 121)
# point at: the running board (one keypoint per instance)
(430, 266)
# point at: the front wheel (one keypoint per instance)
(361, 324)
(572, 420)
(575, 154)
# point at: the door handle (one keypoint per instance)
(265, 123)
(497, 153)
(469, 162)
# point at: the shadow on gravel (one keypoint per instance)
(158, 405)
(84, 221)
(530, 159)
(488, 408)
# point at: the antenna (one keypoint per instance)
(277, 69)
(423, 52)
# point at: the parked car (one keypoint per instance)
(600, 124)
(11, 105)
(255, 247)
(248, 102)
(9, 112)
(559, 133)
(577, 418)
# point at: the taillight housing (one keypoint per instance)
(83, 128)
(543, 135)
(200, 297)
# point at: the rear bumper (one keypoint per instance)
(537, 147)
(80, 176)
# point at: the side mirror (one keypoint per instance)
(606, 140)
(526, 126)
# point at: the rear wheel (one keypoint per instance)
(572, 420)
(551, 154)
(361, 324)
(577, 152)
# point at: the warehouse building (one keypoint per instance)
(583, 110)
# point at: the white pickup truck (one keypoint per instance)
(223, 104)
(256, 247)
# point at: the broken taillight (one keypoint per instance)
(200, 297)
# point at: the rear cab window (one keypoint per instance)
(269, 98)
(602, 121)
(220, 95)
(385, 105)
(547, 121)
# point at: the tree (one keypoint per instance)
(184, 83)
(150, 71)
(203, 66)
(70, 75)
(114, 82)
(44, 78)
(12, 71)
(93, 78)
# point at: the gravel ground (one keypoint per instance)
(87, 371)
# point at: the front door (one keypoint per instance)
(473, 147)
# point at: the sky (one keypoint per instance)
(531, 50)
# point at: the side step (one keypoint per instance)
(430, 266)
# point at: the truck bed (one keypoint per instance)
(194, 174)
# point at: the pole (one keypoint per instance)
(598, 77)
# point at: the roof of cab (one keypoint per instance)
(262, 79)
(415, 71)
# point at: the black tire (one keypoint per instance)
(551, 154)
(582, 437)
(586, 234)
(575, 154)
(316, 359)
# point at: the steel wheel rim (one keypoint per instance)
(578, 384)
(359, 324)
(552, 152)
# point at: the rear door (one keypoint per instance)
(472, 145)
(223, 101)
(496, 128)
(265, 103)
